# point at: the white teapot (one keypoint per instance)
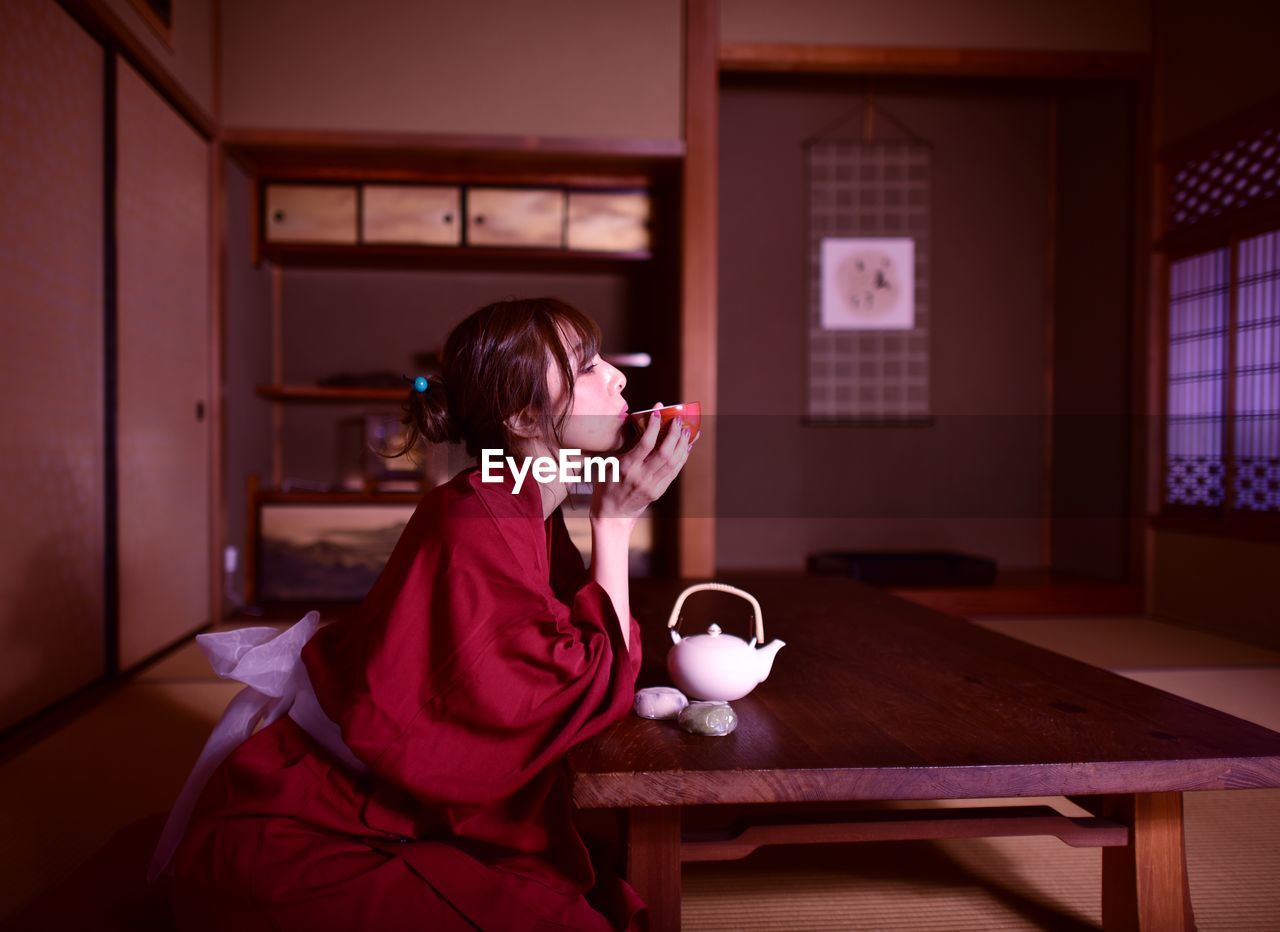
(715, 665)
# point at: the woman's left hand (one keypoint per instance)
(645, 471)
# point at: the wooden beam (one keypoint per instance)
(217, 337)
(251, 138)
(996, 63)
(103, 23)
(250, 561)
(1229, 399)
(906, 825)
(1146, 438)
(217, 378)
(277, 375)
(698, 286)
(412, 156)
(1050, 313)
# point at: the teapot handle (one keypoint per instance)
(719, 587)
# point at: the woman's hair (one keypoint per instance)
(494, 367)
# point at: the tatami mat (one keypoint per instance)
(188, 662)
(1252, 694)
(123, 760)
(1233, 858)
(1132, 643)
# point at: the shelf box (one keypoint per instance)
(412, 214)
(310, 214)
(515, 217)
(608, 222)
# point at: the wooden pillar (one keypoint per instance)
(698, 279)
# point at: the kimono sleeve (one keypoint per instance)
(568, 572)
(529, 678)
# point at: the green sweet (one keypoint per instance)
(715, 719)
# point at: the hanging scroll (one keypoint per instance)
(868, 306)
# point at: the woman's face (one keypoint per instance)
(598, 417)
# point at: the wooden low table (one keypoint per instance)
(875, 699)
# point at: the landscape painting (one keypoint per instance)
(325, 553)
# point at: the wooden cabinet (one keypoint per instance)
(401, 213)
(298, 213)
(515, 217)
(447, 223)
(608, 221)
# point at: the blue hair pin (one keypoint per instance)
(420, 383)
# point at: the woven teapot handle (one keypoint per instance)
(718, 587)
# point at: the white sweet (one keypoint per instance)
(662, 702)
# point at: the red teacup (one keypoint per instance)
(690, 412)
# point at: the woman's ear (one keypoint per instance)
(523, 425)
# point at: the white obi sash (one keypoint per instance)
(269, 662)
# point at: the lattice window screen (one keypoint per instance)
(1198, 295)
(868, 189)
(1244, 173)
(1257, 376)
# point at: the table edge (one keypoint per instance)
(685, 788)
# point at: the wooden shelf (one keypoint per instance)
(443, 157)
(320, 394)
(575, 167)
(324, 394)
(370, 255)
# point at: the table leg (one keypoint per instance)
(653, 862)
(1144, 884)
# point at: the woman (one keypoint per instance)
(482, 654)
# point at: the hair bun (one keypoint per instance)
(426, 414)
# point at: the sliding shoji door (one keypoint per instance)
(52, 492)
(164, 427)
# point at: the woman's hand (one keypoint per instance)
(644, 472)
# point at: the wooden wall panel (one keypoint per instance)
(1229, 587)
(51, 358)
(551, 68)
(163, 358)
(1235, 45)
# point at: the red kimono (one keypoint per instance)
(482, 654)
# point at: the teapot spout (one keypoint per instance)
(675, 636)
(766, 653)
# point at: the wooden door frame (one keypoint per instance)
(794, 58)
(698, 279)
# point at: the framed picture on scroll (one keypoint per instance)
(868, 284)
